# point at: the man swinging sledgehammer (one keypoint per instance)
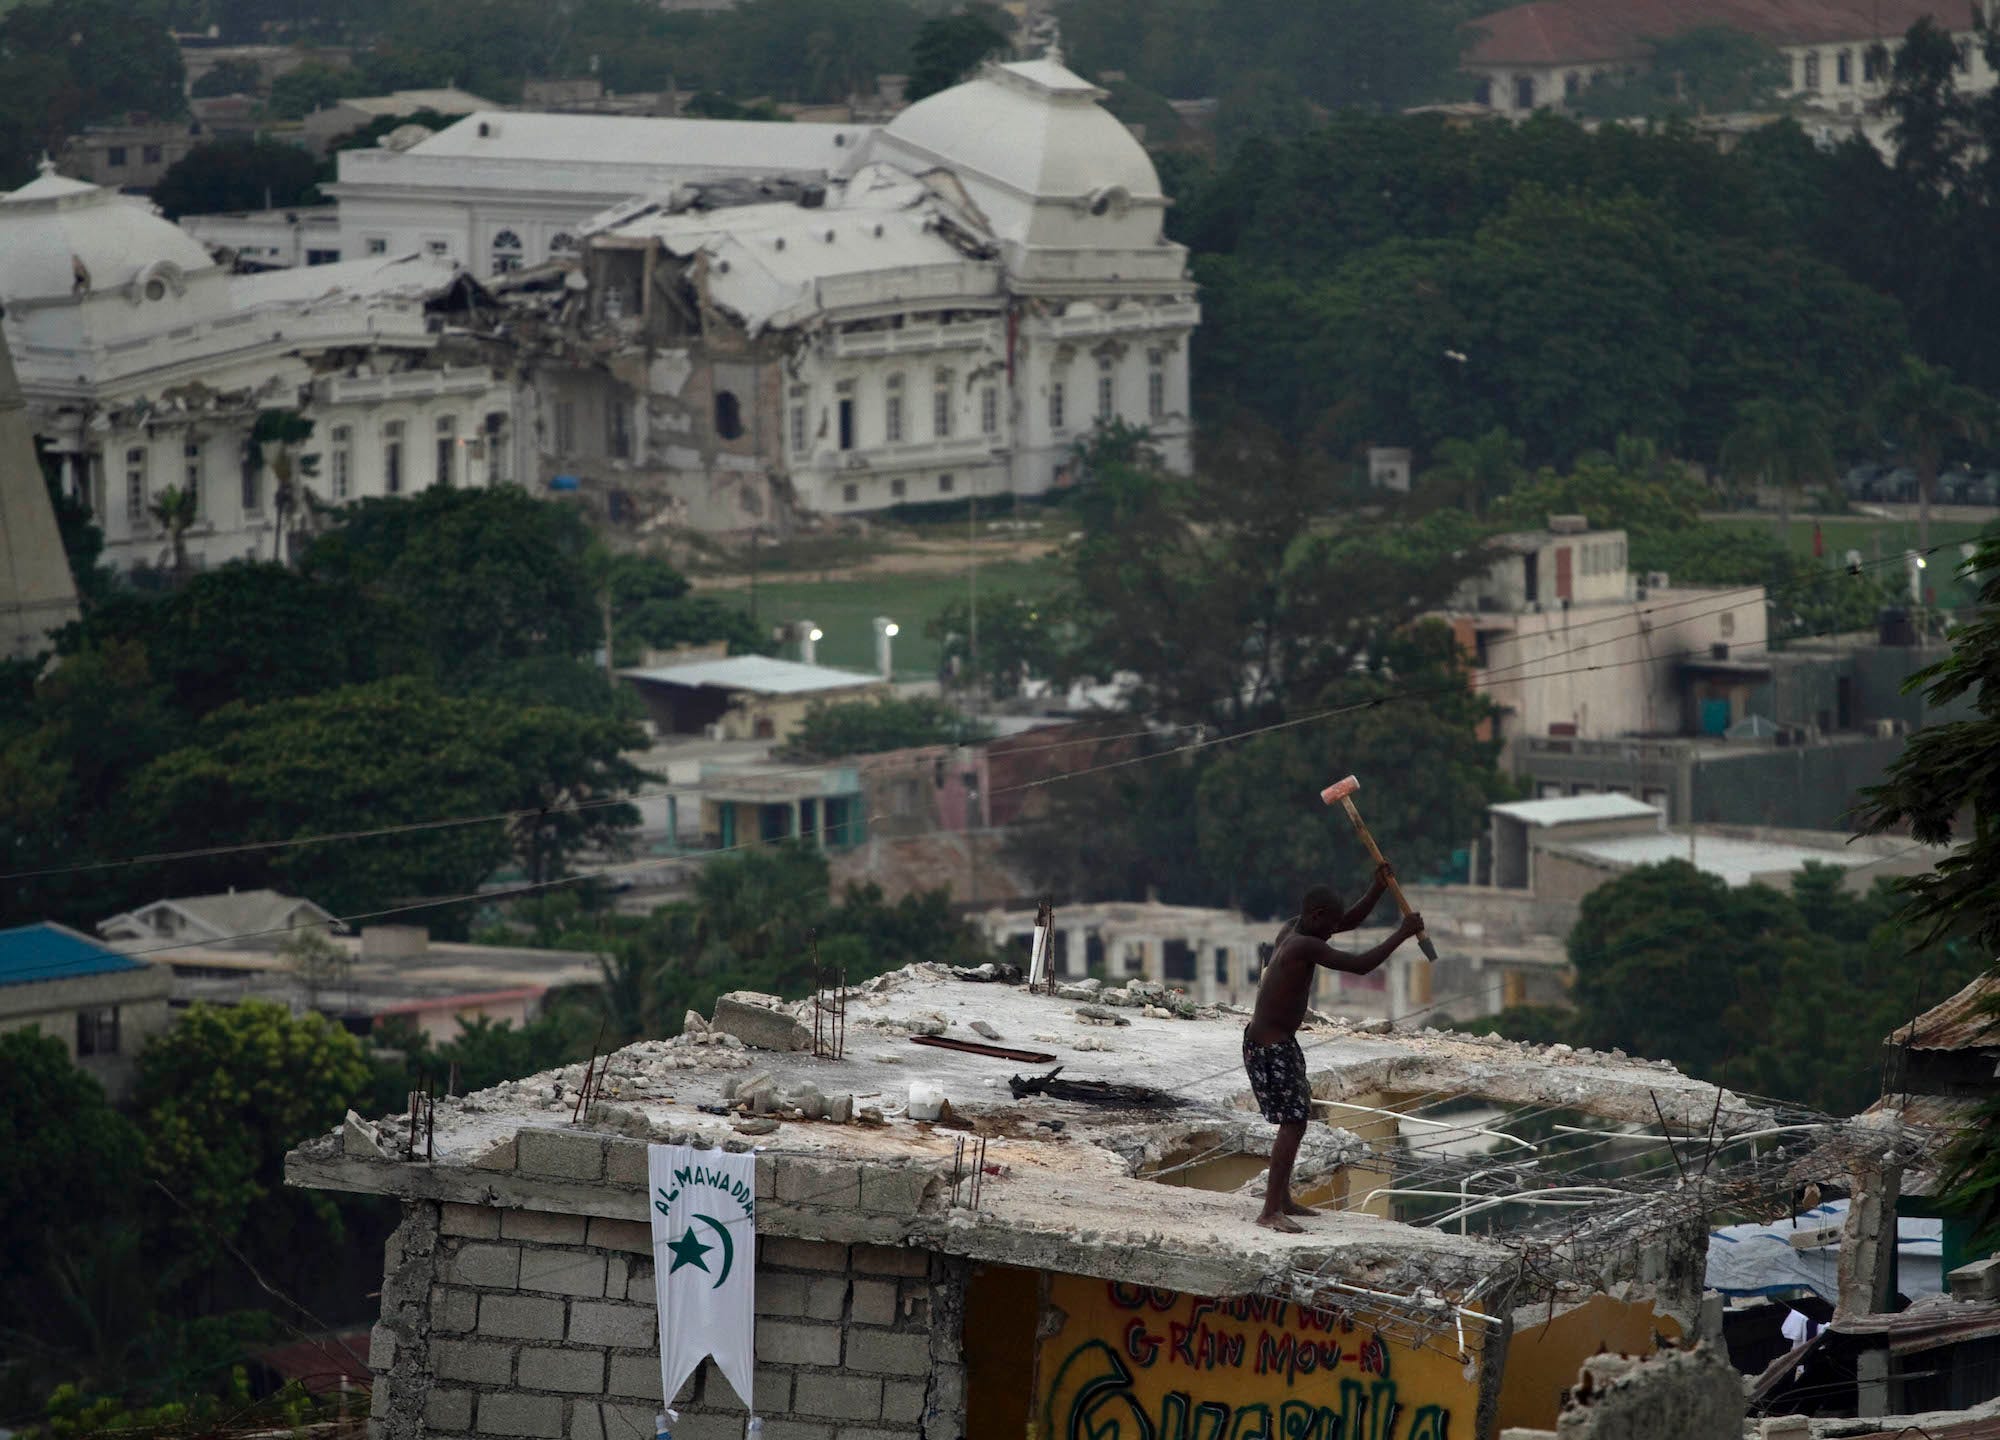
(1271, 1053)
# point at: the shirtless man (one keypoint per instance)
(1271, 1054)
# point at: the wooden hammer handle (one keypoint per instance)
(1395, 890)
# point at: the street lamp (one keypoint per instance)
(809, 637)
(886, 630)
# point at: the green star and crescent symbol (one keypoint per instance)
(689, 1251)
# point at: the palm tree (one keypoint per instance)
(1920, 409)
(1781, 445)
(281, 432)
(173, 510)
(1478, 472)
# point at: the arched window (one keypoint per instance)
(506, 252)
(563, 244)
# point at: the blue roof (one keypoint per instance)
(30, 954)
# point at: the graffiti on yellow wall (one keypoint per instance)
(1132, 1363)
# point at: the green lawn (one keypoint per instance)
(846, 609)
(1876, 540)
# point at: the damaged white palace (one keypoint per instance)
(942, 312)
(988, 284)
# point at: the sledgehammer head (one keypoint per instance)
(1333, 793)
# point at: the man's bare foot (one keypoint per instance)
(1283, 1224)
(1292, 1207)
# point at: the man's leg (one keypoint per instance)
(1278, 1205)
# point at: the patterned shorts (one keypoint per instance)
(1278, 1080)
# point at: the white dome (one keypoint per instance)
(56, 233)
(1033, 127)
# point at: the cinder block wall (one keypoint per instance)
(505, 1323)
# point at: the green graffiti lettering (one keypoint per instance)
(1431, 1423)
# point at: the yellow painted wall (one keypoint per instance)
(1542, 1360)
(1124, 1362)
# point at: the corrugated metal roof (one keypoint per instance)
(1573, 809)
(1737, 862)
(35, 954)
(759, 673)
(1969, 1020)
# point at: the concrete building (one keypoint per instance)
(329, 123)
(1544, 55)
(238, 920)
(1568, 642)
(131, 156)
(1101, 1276)
(386, 973)
(102, 1006)
(270, 239)
(743, 697)
(777, 319)
(145, 365)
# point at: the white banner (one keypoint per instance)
(704, 1262)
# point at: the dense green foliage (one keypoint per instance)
(238, 175)
(948, 47)
(1771, 993)
(1709, 70)
(65, 64)
(867, 727)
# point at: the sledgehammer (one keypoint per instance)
(1343, 791)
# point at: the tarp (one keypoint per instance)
(1758, 1259)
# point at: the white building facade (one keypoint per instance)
(144, 365)
(943, 317)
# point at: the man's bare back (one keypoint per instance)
(1271, 1055)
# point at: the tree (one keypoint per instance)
(1472, 474)
(1921, 410)
(174, 510)
(230, 77)
(1710, 69)
(1930, 130)
(316, 960)
(65, 64)
(309, 87)
(949, 47)
(224, 1094)
(475, 579)
(867, 727)
(237, 175)
(1021, 638)
(1780, 445)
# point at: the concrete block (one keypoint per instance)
(448, 1409)
(891, 1190)
(785, 1342)
(594, 1420)
(826, 1297)
(639, 1286)
(470, 1360)
(535, 1415)
(565, 1272)
(875, 1302)
(490, 1267)
(475, 1222)
(633, 1236)
(773, 1387)
(453, 1312)
(903, 1401)
(782, 1295)
(827, 1186)
(580, 1372)
(1978, 1281)
(884, 1352)
(625, 1164)
(839, 1397)
(630, 1327)
(542, 1227)
(500, 1157)
(891, 1260)
(713, 1426)
(780, 1252)
(761, 1028)
(869, 1432)
(793, 1429)
(381, 1348)
(521, 1317)
(1784, 1427)
(767, 1185)
(637, 1376)
(560, 1154)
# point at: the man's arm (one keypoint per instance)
(1365, 907)
(1367, 960)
